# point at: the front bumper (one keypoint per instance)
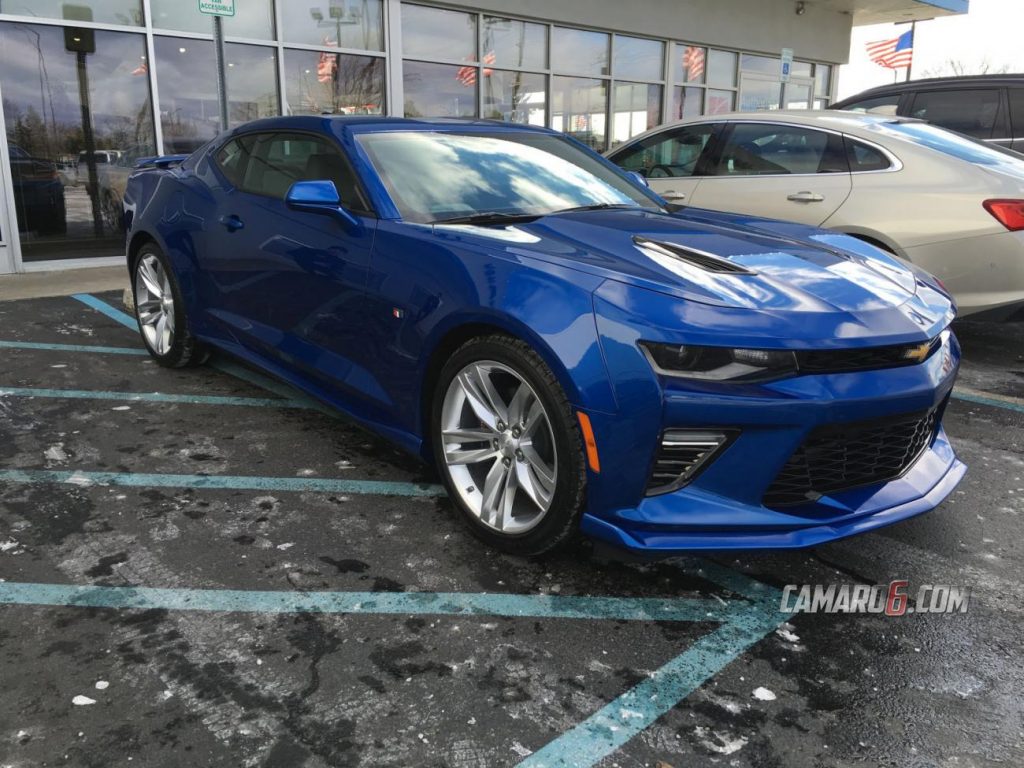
(724, 507)
(932, 478)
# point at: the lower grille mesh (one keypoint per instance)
(840, 457)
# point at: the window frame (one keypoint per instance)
(265, 135)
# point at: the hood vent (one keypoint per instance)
(700, 259)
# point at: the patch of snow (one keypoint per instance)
(286, 545)
(121, 408)
(787, 635)
(55, 453)
(102, 685)
(520, 750)
(719, 742)
(82, 701)
(763, 694)
(8, 545)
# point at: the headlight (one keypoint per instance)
(719, 363)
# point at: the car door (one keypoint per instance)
(777, 170)
(285, 283)
(671, 160)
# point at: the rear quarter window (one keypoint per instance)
(863, 157)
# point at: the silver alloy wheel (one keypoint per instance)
(154, 303)
(499, 448)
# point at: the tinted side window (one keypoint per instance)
(769, 150)
(279, 160)
(1017, 112)
(973, 112)
(865, 158)
(880, 105)
(232, 158)
(669, 153)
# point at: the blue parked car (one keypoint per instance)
(506, 304)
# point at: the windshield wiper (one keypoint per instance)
(489, 217)
(597, 207)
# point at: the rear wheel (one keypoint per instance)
(160, 312)
(508, 447)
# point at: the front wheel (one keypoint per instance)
(508, 446)
(160, 312)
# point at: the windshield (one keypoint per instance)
(954, 144)
(433, 176)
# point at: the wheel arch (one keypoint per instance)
(459, 331)
(877, 239)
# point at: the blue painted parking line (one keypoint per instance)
(995, 401)
(222, 482)
(112, 312)
(150, 397)
(436, 603)
(72, 348)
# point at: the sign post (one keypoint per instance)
(218, 9)
(787, 64)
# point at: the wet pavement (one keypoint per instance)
(221, 578)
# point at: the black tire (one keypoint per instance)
(185, 350)
(561, 521)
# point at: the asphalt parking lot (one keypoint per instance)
(201, 568)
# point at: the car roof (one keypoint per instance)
(853, 123)
(379, 123)
(930, 83)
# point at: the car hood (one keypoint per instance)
(723, 263)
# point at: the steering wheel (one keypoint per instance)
(659, 172)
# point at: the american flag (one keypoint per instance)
(693, 63)
(894, 54)
(327, 64)
(467, 75)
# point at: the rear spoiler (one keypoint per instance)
(160, 161)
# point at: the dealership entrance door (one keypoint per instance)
(762, 91)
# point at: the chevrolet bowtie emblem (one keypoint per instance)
(918, 353)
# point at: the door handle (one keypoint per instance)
(231, 222)
(807, 197)
(671, 194)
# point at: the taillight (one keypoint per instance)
(1009, 213)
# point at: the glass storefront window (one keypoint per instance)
(128, 12)
(638, 59)
(720, 102)
(251, 82)
(802, 69)
(515, 97)
(189, 112)
(439, 90)
(636, 108)
(356, 24)
(70, 160)
(722, 69)
(335, 83)
(253, 18)
(686, 102)
(579, 52)
(580, 108)
(798, 96)
(435, 33)
(768, 65)
(689, 63)
(189, 109)
(822, 80)
(511, 43)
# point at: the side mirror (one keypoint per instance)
(638, 177)
(320, 197)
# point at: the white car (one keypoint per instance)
(947, 203)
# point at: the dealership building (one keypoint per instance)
(90, 86)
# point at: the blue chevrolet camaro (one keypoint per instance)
(571, 355)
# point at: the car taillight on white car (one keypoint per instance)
(1009, 213)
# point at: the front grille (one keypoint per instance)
(871, 358)
(840, 457)
(681, 455)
